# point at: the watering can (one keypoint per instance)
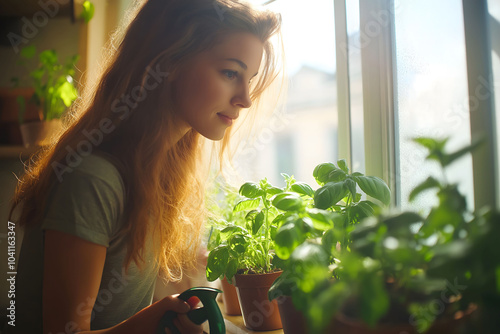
(210, 311)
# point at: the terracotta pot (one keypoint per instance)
(293, 320)
(258, 312)
(230, 298)
(40, 133)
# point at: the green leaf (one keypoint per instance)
(238, 243)
(250, 216)
(449, 158)
(343, 165)
(246, 204)
(288, 202)
(330, 194)
(402, 220)
(227, 231)
(282, 286)
(217, 262)
(435, 148)
(427, 184)
(374, 299)
(321, 172)
(363, 209)
(497, 274)
(274, 190)
(88, 11)
(280, 218)
(28, 52)
(308, 254)
(303, 189)
(337, 175)
(257, 222)
(423, 319)
(48, 58)
(351, 185)
(231, 269)
(374, 187)
(251, 190)
(326, 304)
(288, 237)
(321, 219)
(431, 144)
(67, 92)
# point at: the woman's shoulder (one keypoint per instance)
(99, 166)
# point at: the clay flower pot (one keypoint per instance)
(258, 312)
(293, 320)
(39, 133)
(230, 298)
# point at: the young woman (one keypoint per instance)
(119, 197)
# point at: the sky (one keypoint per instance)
(308, 32)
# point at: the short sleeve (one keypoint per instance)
(86, 204)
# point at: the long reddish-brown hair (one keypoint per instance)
(162, 175)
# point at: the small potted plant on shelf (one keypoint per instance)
(404, 272)
(246, 252)
(316, 229)
(53, 92)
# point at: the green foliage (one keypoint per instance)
(52, 81)
(399, 263)
(316, 231)
(245, 244)
(88, 11)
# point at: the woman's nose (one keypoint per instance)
(242, 98)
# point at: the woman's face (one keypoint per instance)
(213, 86)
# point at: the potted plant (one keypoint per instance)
(246, 253)
(407, 273)
(54, 92)
(222, 199)
(316, 229)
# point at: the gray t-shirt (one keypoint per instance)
(89, 203)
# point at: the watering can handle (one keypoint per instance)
(210, 311)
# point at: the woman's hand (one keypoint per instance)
(146, 321)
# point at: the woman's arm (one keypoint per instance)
(72, 275)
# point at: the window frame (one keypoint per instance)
(378, 62)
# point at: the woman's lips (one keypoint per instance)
(226, 119)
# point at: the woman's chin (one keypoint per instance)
(215, 136)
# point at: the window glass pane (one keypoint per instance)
(298, 139)
(432, 91)
(356, 86)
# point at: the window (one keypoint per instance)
(432, 90)
(300, 137)
(405, 73)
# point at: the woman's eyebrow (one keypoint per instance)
(242, 64)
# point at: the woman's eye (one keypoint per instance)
(230, 74)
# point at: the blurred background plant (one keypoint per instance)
(52, 81)
(400, 265)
